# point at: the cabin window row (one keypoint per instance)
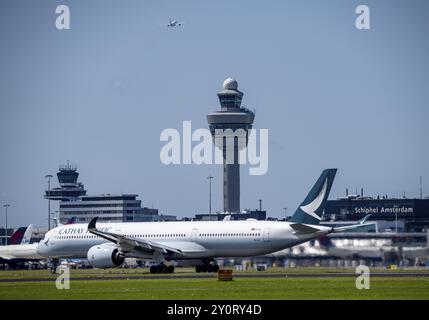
(169, 235)
(128, 235)
(229, 234)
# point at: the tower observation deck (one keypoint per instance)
(70, 188)
(239, 120)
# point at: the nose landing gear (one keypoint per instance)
(53, 265)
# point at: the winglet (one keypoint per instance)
(362, 221)
(91, 224)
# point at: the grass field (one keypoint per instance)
(139, 272)
(209, 288)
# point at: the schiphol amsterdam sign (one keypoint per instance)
(382, 209)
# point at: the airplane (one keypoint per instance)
(324, 247)
(107, 245)
(416, 254)
(174, 23)
(21, 251)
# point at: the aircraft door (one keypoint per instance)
(266, 236)
(194, 234)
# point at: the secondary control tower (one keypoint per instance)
(70, 189)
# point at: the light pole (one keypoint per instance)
(49, 176)
(5, 232)
(210, 178)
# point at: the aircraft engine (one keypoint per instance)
(105, 256)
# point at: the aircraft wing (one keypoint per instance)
(354, 226)
(127, 244)
(7, 257)
(303, 228)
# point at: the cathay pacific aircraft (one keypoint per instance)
(108, 244)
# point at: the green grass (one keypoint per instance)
(210, 288)
(144, 272)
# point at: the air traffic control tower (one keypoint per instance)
(69, 189)
(230, 116)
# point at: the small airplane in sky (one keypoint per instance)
(174, 23)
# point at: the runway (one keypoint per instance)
(214, 276)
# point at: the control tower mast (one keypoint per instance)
(230, 116)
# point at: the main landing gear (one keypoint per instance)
(162, 268)
(207, 266)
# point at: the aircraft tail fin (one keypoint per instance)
(72, 220)
(311, 209)
(27, 235)
(17, 236)
(22, 235)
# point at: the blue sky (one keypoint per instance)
(100, 94)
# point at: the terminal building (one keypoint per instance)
(109, 208)
(75, 204)
(387, 214)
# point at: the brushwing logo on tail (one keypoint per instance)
(315, 204)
